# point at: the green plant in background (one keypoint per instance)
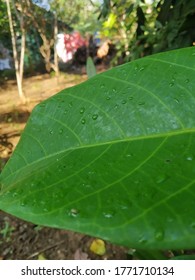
(113, 157)
(140, 28)
(90, 67)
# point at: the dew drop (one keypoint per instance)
(51, 131)
(61, 131)
(141, 69)
(70, 104)
(108, 98)
(141, 103)
(116, 106)
(83, 121)
(171, 84)
(82, 110)
(124, 101)
(159, 235)
(102, 86)
(128, 155)
(189, 158)
(176, 100)
(22, 204)
(73, 213)
(56, 195)
(15, 194)
(130, 98)
(95, 116)
(65, 112)
(142, 240)
(160, 179)
(187, 81)
(114, 90)
(88, 186)
(108, 214)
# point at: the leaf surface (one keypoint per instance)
(113, 157)
(90, 67)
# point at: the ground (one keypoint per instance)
(22, 240)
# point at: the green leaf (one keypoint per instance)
(91, 70)
(184, 257)
(113, 157)
(149, 255)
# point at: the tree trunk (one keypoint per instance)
(23, 44)
(56, 69)
(16, 61)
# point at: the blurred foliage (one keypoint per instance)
(39, 25)
(80, 15)
(136, 27)
(140, 28)
(4, 25)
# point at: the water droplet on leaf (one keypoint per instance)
(95, 116)
(189, 158)
(141, 103)
(176, 100)
(171, 84)
(15, 194)
(82, 110)
(161, 178)
(128, 155)
(108, 214)
(159, 235)
(83, 121)
(73, 212)
(22, 204)
(142, 240)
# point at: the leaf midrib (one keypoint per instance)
(94, 145)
